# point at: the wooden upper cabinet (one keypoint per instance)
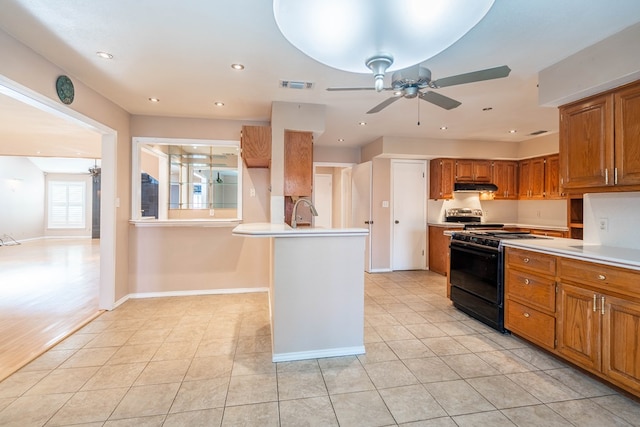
(532, 178)
(504, 174)
(441, 178)
(539, 178)
(586, 143)
(298, 163)
(552, 178)
(473, 171)
(627, 135)
(256, 146)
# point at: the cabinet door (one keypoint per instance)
(256, 146)
(552, 178)
(525, 176)
(438, 249)
(586, 143)
(482, 170)
(578, 327)
(505, 176)
(441, 177)
(537, 179)
(464, 171)
(621, 341)
(298, 163)
(627, 136)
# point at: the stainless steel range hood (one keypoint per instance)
(476, 187)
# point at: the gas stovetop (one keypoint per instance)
(491, 238)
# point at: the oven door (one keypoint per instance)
(476, 285)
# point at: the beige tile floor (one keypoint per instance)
(206, 361)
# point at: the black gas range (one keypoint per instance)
(477, 273)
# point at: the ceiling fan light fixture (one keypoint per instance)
(349, 34)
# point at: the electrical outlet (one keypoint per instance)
(538, 214)
(252, 192)
(603, 224)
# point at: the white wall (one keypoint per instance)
(70, 232)
(621, 213)
(22, 205)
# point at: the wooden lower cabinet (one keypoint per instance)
(579, 326)
(620, 342)
(439, 249)
(593, 321)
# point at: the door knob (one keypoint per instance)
(397, 222)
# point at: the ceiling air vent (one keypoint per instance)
(538, 132)
(290, 84)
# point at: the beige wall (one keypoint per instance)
(380, 234)
(25, 67)
(174, 259)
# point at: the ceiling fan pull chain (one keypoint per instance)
(418, 111)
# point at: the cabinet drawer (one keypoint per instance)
(542, 263)
(530, 323)
(537, 291)
(605, 277)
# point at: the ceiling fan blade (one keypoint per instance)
(440, 100)
(384, 104)
(475, 76)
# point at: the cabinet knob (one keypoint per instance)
(526, 281)
(601, 277)
(525, 314)
(526, 260)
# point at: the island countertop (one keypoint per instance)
(266, 229)
(572, 248)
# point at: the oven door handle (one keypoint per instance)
(475, 251)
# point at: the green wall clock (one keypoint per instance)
(64, 87)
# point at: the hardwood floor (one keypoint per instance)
(48, 289)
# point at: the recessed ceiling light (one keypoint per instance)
(104, 55)
(513, 131)
(443, 128)
(237, 66)
(154, 99)
(340, 139)
(487, 109)
(218, 104)
(362, 123)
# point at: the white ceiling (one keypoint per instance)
(181, 52)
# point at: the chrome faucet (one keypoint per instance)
(314, 212)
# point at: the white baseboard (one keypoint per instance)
(196, 292)
(380, 270)
(316, 354)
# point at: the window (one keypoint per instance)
(186, 179)
(66, 204)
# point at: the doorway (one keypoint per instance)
(102, 251)
(323, 200)
(409, 214)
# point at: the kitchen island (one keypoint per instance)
(316, 289)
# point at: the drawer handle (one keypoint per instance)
(525, 314)
(526, 281)
(601, 277)
(526, 260)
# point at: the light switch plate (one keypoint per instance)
(385, 203)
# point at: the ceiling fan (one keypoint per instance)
(409, 82)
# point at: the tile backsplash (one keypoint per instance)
(619, 212)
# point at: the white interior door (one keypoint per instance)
(361, 204)
(322, 200)
(409, 214)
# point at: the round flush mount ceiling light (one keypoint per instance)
(376, 35)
